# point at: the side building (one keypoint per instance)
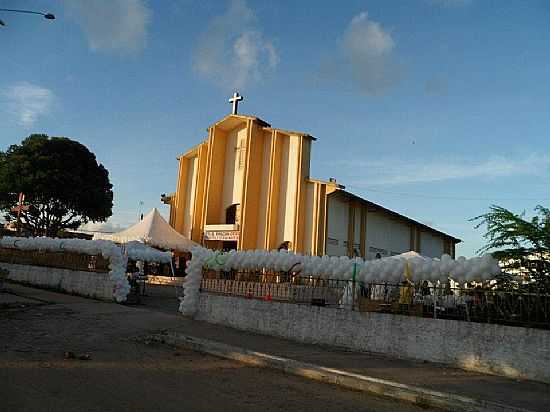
(248, 186)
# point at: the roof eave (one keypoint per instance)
(399, 215)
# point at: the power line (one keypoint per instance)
(445, 197)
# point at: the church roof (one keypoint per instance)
(397, 215)
(294, 132)
(232, 119)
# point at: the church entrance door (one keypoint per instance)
(229, 245)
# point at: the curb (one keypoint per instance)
(419, 396)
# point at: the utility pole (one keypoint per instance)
(20, 208)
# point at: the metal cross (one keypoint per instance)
(235, 101)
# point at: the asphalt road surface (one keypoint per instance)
(128, 372)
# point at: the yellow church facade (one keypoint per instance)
(248, 186)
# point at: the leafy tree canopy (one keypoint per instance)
(63, 183)
(521, 245)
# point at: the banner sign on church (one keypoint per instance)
(225, 235)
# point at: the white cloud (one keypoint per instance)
(28, 102)
(391, 171)
(366, 58)
(368, 48)
(233, 51)
(111, 25)
(365, 37)
(105, 227)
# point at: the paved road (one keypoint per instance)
(127, 372)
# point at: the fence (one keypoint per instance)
(60, 260)
(276, 286)
(443, 302)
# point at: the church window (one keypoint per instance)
(231, 214)
(241, 152)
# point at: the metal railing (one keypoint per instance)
(468, 304)
(61, 260)
(276, 286)
(473, 304)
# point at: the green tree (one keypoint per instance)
(63, 183)
(521, 245)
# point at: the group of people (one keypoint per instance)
(137, 276)
(407, 293)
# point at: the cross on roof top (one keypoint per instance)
(235, 101)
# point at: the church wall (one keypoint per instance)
(214, 176)
(377, 240)
(264, 191)
(282, 189)
(200, 194)
(251, 187)
(431, 245)
(190, 185)
(357, 229)
(233, 171)
(386, 235)
(337, 226)
(273, 227)
(291, 188)
(287, 189)
(309, 216)
(400, 236)
(266, 171)
(177, 209)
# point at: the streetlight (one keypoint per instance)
(48, 16)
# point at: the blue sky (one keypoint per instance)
(433, 108)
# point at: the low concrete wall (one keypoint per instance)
(509, 351)
(90, 284)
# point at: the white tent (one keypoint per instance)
(153, 230)
(140, 251)
(411, 255)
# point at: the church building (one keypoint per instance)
(248, 186)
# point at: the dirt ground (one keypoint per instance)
(128, 372)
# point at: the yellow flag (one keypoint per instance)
(408, 274)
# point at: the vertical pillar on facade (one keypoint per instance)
(208, 174)
(197, 227)
(363, 234)
(214, 168)
(251, 187)
(323, 227)
(351, 227)
(315, 218)
(299, 205)
(172, 220)
(181, 194)
(321, 247)
(449, 247)
(273, 190)
(412, 237)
